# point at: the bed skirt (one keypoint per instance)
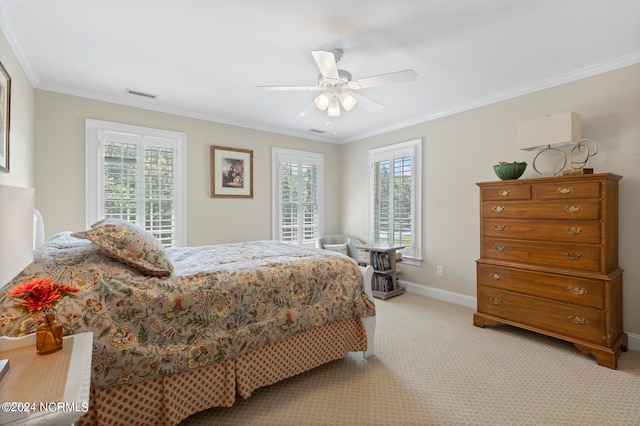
(166, 401)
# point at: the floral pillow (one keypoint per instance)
(130, 244)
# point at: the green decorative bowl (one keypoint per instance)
(509, 171)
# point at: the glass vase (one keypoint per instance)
(49, 335)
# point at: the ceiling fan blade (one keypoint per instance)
(308, 110)
(326, 62)
(289, 88)
(367, 103)
(383, 79)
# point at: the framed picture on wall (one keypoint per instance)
(5, 106)
(231, 172)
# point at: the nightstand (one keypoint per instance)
(383, 259)
(56, 385)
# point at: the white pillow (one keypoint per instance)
(339, 248)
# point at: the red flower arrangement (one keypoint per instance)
(40, 293)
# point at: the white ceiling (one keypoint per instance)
(204, 59)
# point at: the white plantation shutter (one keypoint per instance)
(310, 202)
(289, 222)
(381, 205)
(395, 196)
(159, 188)
(120, 179)
(403, 197)
(297, 195)
(137, 174)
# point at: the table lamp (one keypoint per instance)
(548, 133)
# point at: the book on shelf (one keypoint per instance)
(383, 283)
(381, 261)
(386, 263)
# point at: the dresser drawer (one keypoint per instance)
(577, 322)
(585, 257)
(575, 209)
(506, 192)
(562, 288)
(573, 231)
(566, 190)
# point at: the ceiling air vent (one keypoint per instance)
(144, 95)
(317, 131)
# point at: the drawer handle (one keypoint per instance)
(495, 277)
(577, 320)
(495, 300)
(504, 193)
(573, 209)
(565, 190)
(499, 209)
(577, 291)
(499, 227)
(573, 230)
(573, 256)
(499, 248)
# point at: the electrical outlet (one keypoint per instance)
(439, 271)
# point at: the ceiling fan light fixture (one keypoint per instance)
(348, 100)
(337, 87)
(333, 110)
(323, 101)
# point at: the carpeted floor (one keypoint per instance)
(433, 367)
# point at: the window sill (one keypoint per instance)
(414, 261)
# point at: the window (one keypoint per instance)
(297, 195)
(395, 197)
(137, 174)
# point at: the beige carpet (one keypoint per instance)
(433, 367)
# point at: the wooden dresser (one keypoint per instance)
(549, 260)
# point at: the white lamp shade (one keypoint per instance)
(347, 100)
(558, 129)
(322, 101)
(334, 107)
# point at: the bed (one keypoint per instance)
(181, 330)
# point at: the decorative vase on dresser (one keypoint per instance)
(549, 260)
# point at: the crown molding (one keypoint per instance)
(7, 29)
(579, 74)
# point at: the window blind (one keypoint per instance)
(159, 193)
(138, 182)
(298, 196)
(395, 198)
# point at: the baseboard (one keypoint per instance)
(634, 341)
(471, 302)
(438, 293)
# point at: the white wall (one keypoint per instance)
(461, 149)
(21, 121)
(60, 171)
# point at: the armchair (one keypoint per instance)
(340, 243)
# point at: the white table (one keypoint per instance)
(76, 388)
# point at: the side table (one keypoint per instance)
(382, 257)
(60, 381)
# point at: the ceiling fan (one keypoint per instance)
(337, 87)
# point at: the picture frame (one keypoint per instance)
(231, 172)
(5, 116)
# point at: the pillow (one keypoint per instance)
(340, 248)
(130, 244)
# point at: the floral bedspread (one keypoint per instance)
(221, 301)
